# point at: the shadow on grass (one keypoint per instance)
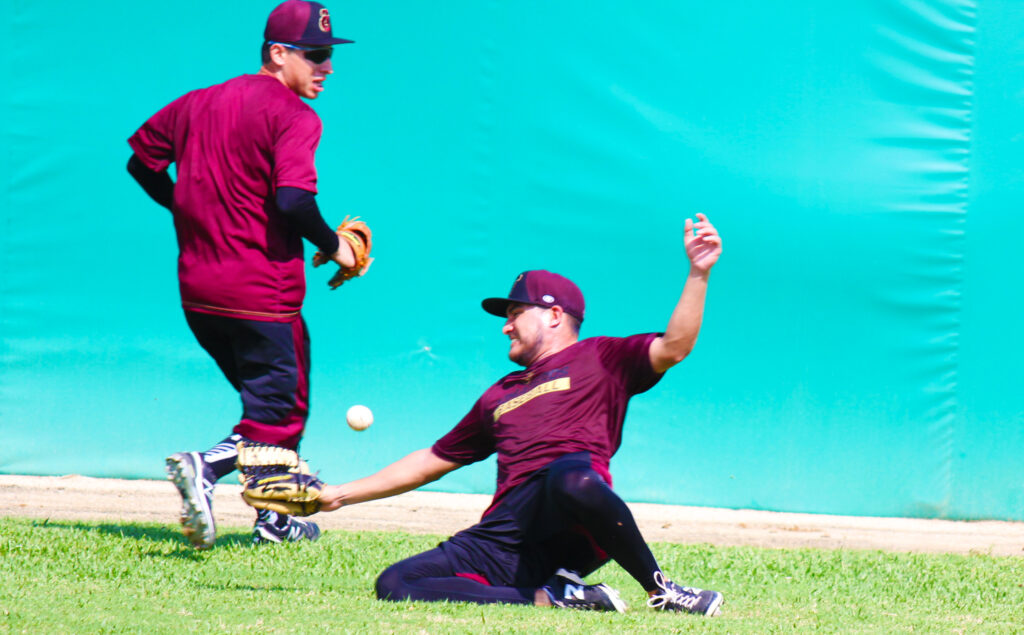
(169, 535)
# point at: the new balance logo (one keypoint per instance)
(573, 591)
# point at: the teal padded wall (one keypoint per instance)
(862, 160)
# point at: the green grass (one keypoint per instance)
(73, 577)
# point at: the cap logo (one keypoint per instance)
(548, 298)
(325, 21)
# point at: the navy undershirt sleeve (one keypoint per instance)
(300, 208)
(158, 185)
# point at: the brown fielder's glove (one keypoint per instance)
(291, 493)
(275, 478)
(358, 235)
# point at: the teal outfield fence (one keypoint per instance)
(861, 348)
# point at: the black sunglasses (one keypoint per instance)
(317, 55)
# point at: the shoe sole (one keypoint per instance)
(613, 596)
(714, 609)
(196, 516)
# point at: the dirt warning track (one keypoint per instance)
(76, 497)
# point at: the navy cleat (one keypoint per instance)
(567, 590)
(673, 597)
(294, 529)
(189, 474)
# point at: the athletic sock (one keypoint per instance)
(271, 517)
(220, 459)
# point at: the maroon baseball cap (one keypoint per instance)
(540, 288)
(301, 22)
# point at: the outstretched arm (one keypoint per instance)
(703, 247)
(408, 473)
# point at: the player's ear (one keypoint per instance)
(556, 316)
(276, 54)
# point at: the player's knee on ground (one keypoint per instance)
(390, 584)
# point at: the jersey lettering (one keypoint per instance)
(562, 383)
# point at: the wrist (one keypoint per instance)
(345, 256)
(331, 498)
(699, 274)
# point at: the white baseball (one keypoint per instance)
(359, 417)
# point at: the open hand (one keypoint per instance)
(702, 242)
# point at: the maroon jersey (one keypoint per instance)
(572, 401)
(234, 144)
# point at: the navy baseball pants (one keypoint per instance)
(565, 515)
(268, 364)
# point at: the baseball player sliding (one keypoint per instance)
(243, 201)
(555, 426)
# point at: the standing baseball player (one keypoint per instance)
(243, 202)
(554, 426)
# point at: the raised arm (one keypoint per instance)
(408, 473)
(703, 247)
